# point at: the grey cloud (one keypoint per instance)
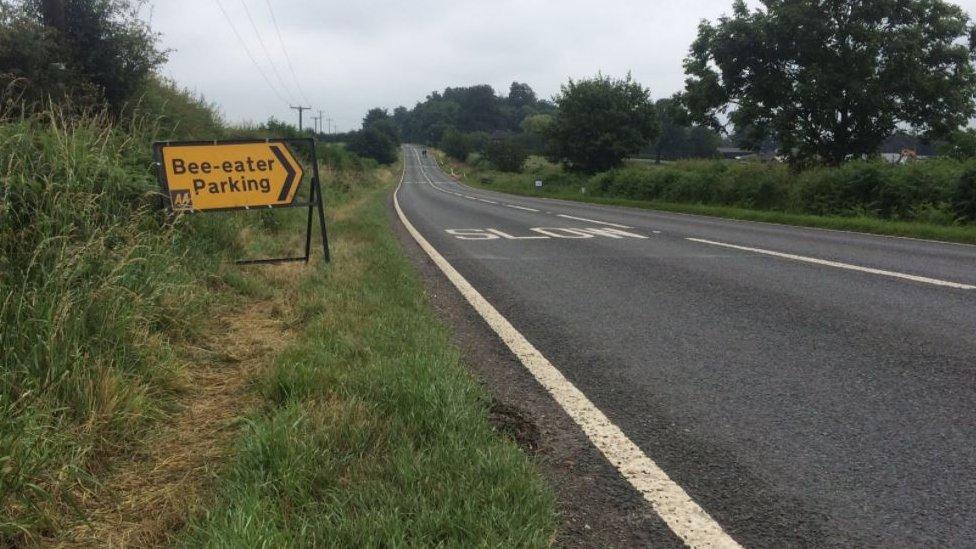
(352, 56)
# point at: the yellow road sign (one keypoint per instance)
(229, 175)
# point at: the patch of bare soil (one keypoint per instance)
(145, 500)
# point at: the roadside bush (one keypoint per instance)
(745, 184)
(845, 190)
(337, 158)
(964, 196)
(506, 155)
(876, 189)
(457, 145)
(755, 185)
(373, 142)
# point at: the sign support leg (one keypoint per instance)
(325, 235)
(320, 204)
(308, 226)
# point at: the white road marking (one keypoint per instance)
(471, 234)
(487, 201)
(471, 197)
(840, 265)
(594, 221)
(521, 208)
(547, 233)
(612, 233)
(686, 518)
(513, 237)
(560, 232)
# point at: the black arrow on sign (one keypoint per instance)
(290, 180)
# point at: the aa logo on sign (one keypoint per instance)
(181, 200)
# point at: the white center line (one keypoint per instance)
(594, 221)
(486, 201)
(840, 265)
(521, 208)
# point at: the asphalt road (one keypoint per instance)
(826, 397)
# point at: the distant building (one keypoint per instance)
(901, 147)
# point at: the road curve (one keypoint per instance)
(804, 387)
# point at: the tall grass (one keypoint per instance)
(94, 288)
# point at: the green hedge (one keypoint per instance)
(936, 191)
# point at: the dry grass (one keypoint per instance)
(145, 499)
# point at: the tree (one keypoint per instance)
(374, 143)
(376, 115)
(672, 140)
(600, 122)
(470, 110)
(521, 95)
(105, 41)
(379, 139)
(701, 142)
(961, 145)
(92, 51)
(832, 79)
(478, 108)
(456, 145)
(507, 155)
(537, 124)
(535, 131)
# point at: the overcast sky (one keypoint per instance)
(350, 56)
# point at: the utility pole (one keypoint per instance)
(330, 125)
(318, 124)
(300, 111)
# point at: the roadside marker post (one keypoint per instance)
(256, 174)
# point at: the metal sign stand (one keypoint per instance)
(316, 200)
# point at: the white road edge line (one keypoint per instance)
(594, 221)
(686, 518)
(840, 265)
(521, 208)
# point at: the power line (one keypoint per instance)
(264, 48)
(284, 50)
(249, 54)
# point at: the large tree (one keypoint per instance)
(379, 139)
(831, 79)
(600, 121)
(95, 45)
(672, 140)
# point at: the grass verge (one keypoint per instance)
(372, 433)
(965, 235)
(524, 185)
